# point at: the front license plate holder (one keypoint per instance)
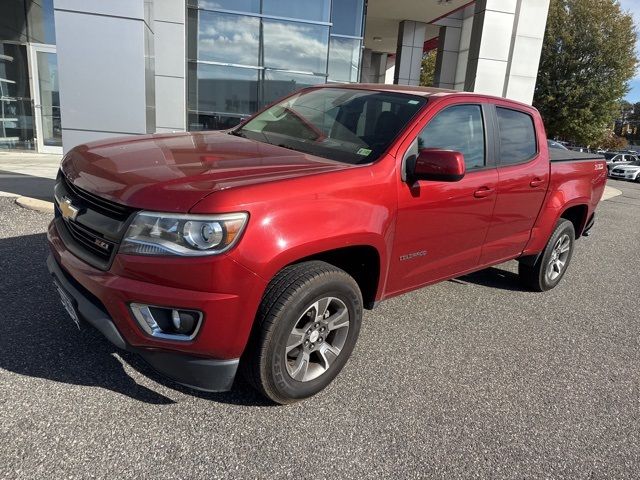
(68, 303)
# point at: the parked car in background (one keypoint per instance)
(579, 149)
(630, 171)
(619, 159)
(554, 144)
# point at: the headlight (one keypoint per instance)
(153, 233)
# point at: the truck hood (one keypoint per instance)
(172, 172)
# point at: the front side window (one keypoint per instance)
(517, 136)
(458, 128)
(347, 125)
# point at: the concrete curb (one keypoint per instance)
(610, 192)
(35, 204)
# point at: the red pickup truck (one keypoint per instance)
(260, 246)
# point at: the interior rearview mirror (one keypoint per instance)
(437, 165)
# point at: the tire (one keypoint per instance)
(291, 328)
(541, 275)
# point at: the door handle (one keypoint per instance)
(536, 182)
(483, 192)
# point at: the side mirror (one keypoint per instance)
(437, 165)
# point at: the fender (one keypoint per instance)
(548, 219)
(299, 218)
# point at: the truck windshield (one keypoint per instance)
(343, 124)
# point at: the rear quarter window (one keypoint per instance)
(517, 136)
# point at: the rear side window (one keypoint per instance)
(458, 128)
(517, 136)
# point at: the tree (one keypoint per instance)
(612, 142)
(428, 70)
(634, 115)
(587, 61)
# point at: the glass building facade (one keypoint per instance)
(29, 97)
(244, 54)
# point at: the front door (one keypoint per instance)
(46, 97)
(441, 226)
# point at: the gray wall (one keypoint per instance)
(170, 51)
(106, 64)
(493, 49)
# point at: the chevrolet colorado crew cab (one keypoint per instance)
(260, 246)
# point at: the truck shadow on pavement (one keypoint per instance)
(493, 277)
(40, 340)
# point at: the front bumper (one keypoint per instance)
(225, 292)
(623, 175)
(195, 372)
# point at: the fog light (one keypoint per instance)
(184, 321)
(167, 323)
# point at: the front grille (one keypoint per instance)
(107, 207)
(91, 240)
(95, 233)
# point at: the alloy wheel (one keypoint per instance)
(559, 257)
(317, 339)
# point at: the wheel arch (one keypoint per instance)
(577, 215)
(362, 262)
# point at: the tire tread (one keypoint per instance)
(284, 286)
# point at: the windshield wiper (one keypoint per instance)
(288, 147)
(238, 133)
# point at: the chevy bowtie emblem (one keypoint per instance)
(67, 209)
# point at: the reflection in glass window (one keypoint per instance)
(279, 84)
(41, 25)
(250, 6)
(16, 106)
(317, 10)
(328, 122)
(228, 38)
(295, 46)
(222, 89)
(346, 16)
(49, 99)
(212, 121)
(13, 22)
(517, 136)
(344, 59)
(458, 128)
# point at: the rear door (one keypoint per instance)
(523, 180)
(441, 226)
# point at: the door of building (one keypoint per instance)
(46, 97)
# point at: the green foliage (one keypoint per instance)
(588, 58)
(612, 142)
(428, 70)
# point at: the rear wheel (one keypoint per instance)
(549, 268)
(307, 326)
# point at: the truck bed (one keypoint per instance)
(558, 155)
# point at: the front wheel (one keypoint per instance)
(549, 268)
(307, 326)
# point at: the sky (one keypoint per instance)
(633, 6)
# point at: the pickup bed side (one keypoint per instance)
(576, 186)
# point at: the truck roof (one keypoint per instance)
(414, 90)
(383, 87)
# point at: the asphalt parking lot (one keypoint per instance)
(469, 378)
